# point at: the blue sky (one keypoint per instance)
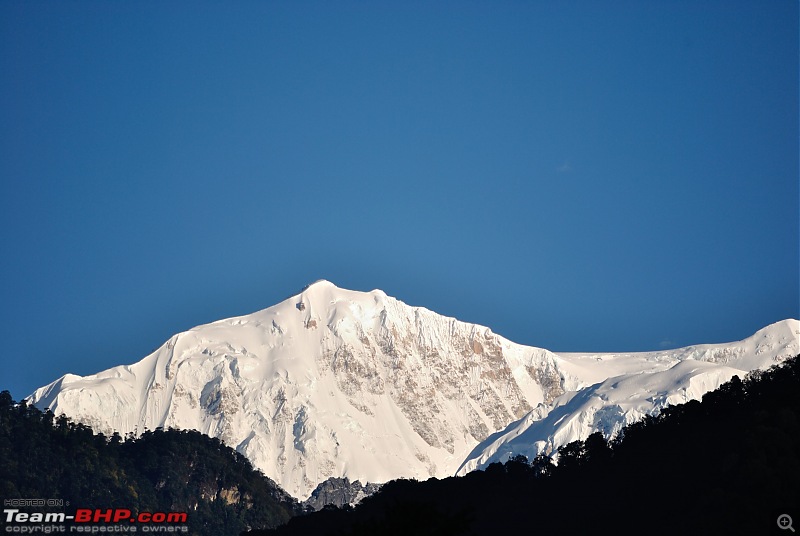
(580, 176)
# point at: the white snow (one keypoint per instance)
(634, 385)
(339, 383)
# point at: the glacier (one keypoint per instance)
(335, 383)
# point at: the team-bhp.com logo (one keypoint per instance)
(95, 520)
(117, 515)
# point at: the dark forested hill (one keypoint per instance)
(43, 457)
(727, 465)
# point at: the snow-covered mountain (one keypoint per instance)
(635, 385)
(339, 383)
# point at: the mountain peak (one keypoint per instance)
(319, 283)
(341, 383)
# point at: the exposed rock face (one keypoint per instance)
(339, 492)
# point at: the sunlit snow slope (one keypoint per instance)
(333, 382)
(630, 386)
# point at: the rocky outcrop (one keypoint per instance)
(339, 492)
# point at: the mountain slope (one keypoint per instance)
(327, 383)
(664, 379)
(338, 383)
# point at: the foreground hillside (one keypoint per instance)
(162, 471)
(727, 465)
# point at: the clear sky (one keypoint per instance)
(579, 176)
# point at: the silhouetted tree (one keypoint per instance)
(542, 466)
(572, 455)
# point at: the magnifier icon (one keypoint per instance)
(785, 522)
